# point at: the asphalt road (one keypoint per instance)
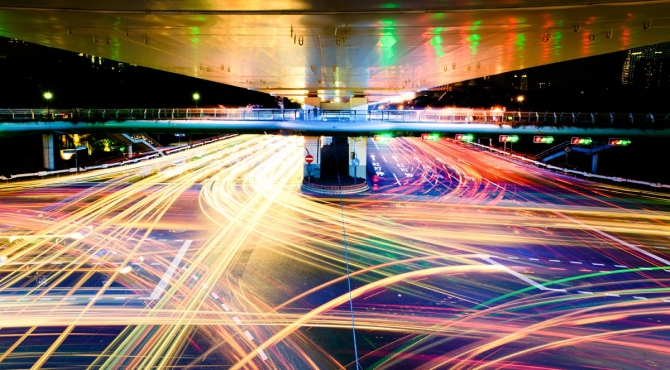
(214, 258)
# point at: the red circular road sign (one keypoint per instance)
(309, 158)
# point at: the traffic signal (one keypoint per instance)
(581, 141)
(508, 138)
(424, 136)
(619, 142)
(464, 137)
(382, 137)
(543, 139)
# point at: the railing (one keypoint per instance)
(447, 115)
(552, 150)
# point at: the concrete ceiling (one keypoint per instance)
(338, 48)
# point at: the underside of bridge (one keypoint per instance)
(337, 50)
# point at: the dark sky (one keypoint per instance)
(28, 70)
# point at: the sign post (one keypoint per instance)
(309, 159)
(355, 162)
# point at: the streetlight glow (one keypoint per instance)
(520, 99)
(196, 97)
(47, 96)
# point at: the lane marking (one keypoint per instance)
(554, 261)
(576, 263)
(637, 297)
(214, 295)
(249, 336)
(534, 259)
(396, 179)
(622, 266)
(237, 320)
(613, 238)
(225, 307)
(584, 292)
(612, 295)
(170, 271)
(520, 276)
(597, 264)
(264, 357)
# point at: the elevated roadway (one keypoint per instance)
(337, 49)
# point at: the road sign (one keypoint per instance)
(568, 150)
(355, 161)
(309, 158)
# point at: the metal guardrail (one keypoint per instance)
(587, 175)
(446, 115)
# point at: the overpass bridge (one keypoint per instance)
(348, 129)
(327, 122)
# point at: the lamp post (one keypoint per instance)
(196, 97)
(520, 100)
(47, 96)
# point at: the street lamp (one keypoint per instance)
(48, 96)
(520, 99)
(196, 97)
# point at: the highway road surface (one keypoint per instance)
(213, 258)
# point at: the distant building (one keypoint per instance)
(523, 83)
(647, 66)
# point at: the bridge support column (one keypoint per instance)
(359, 103)
(48, 153)
(130, 151)
(594, 163)
(358, 149)
(313, 146)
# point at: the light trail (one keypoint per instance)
(259, 285)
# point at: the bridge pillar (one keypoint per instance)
(358, 149)
(313, 146)
(359, 103)
(130, 150)
(48, 153)
(594, 163)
